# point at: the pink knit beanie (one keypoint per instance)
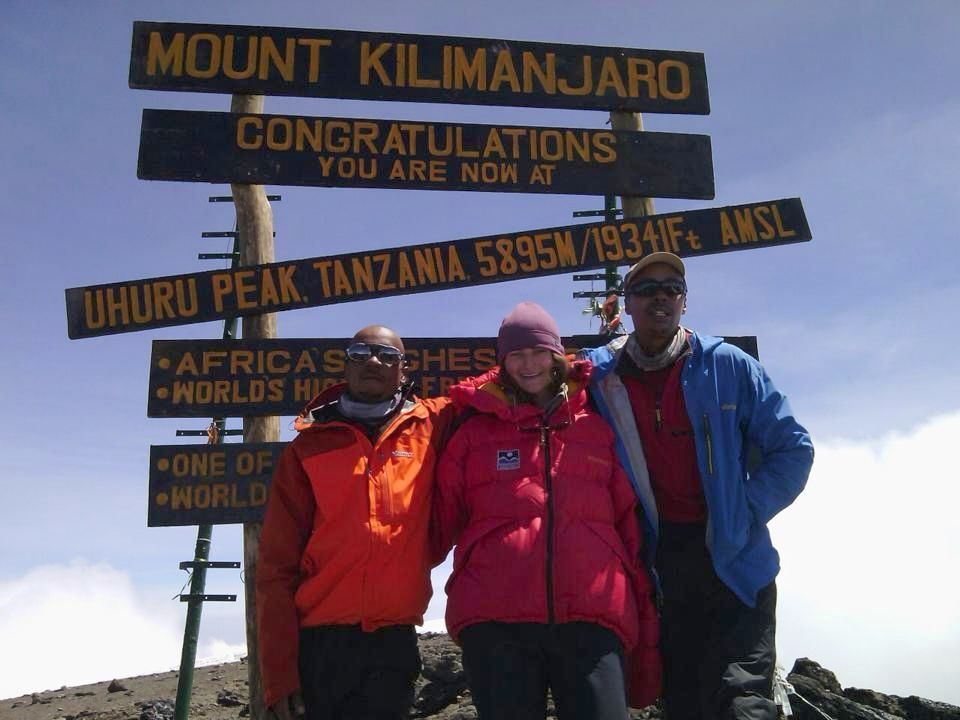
(528, 326)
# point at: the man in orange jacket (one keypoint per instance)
(344, 569)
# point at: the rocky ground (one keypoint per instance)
(220, 693)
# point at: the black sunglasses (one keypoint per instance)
(649, 288)
(360, 352)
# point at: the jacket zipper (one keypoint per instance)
(548, 482)
(706, 432)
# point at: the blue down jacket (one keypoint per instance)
(733, 406)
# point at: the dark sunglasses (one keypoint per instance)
(649, 288)
(361, 352)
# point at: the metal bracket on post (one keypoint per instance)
(598, 213)
(229, 198)
(222, 564)
(591, 293)
(201, 433)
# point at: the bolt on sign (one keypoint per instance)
(235, 378)
(214, 295)
(256, 60)
(349, 152)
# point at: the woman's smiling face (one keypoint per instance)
(532, 371)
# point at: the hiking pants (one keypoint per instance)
(509, 667)
(348, 674)
(718, 653)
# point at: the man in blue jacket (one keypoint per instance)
(689, 410)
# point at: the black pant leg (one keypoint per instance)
(718, 653)
(586, 672)
(506, 670)
(684, 580)
(742, 657)
(348, 674)
(328, 665)
(385, 689)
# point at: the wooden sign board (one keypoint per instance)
(234, 378)
(257, 60)
(349, 152)
(229, 483)
(199, 484)
(214, 295)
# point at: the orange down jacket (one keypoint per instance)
(344, 537)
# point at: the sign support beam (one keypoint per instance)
(199, 565)
(255, 229)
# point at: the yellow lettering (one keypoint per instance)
(610, 77)
(383, 282)
(270, 55)
(546, 77)
(415, 79)
(682, 71)
(470, 73)
(228, 57)
(727, 235)
(587, 74)
(163, 60)
(305, 363)
(372, 61)
(187, 365)
(314, 44)
(212, 55)
(641, 71)
(222, 285)
(504, 71)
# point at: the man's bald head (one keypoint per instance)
(373, 380)
(379, 334)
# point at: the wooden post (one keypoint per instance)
(255, 232)
(633, 206)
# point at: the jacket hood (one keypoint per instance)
(486, 393)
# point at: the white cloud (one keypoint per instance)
(869, 552)
(219, 651)
(84, 622)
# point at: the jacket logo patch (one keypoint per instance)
(508, 459)
(728, 406)
(402, 453)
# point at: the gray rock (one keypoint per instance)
(155, 709)
(116, 686)
(226, 698)
(813, 670)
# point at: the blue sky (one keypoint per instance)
(851, 106)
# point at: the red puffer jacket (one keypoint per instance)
(544, 521)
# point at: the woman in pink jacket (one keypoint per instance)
(548, 589)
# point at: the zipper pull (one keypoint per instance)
(659, 418)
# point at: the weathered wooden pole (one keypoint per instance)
(633, 206)
(255, 232)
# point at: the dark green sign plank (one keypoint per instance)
(400, 154)
(215, 484)
(261, 60)
(234, 378)
(214, 295)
